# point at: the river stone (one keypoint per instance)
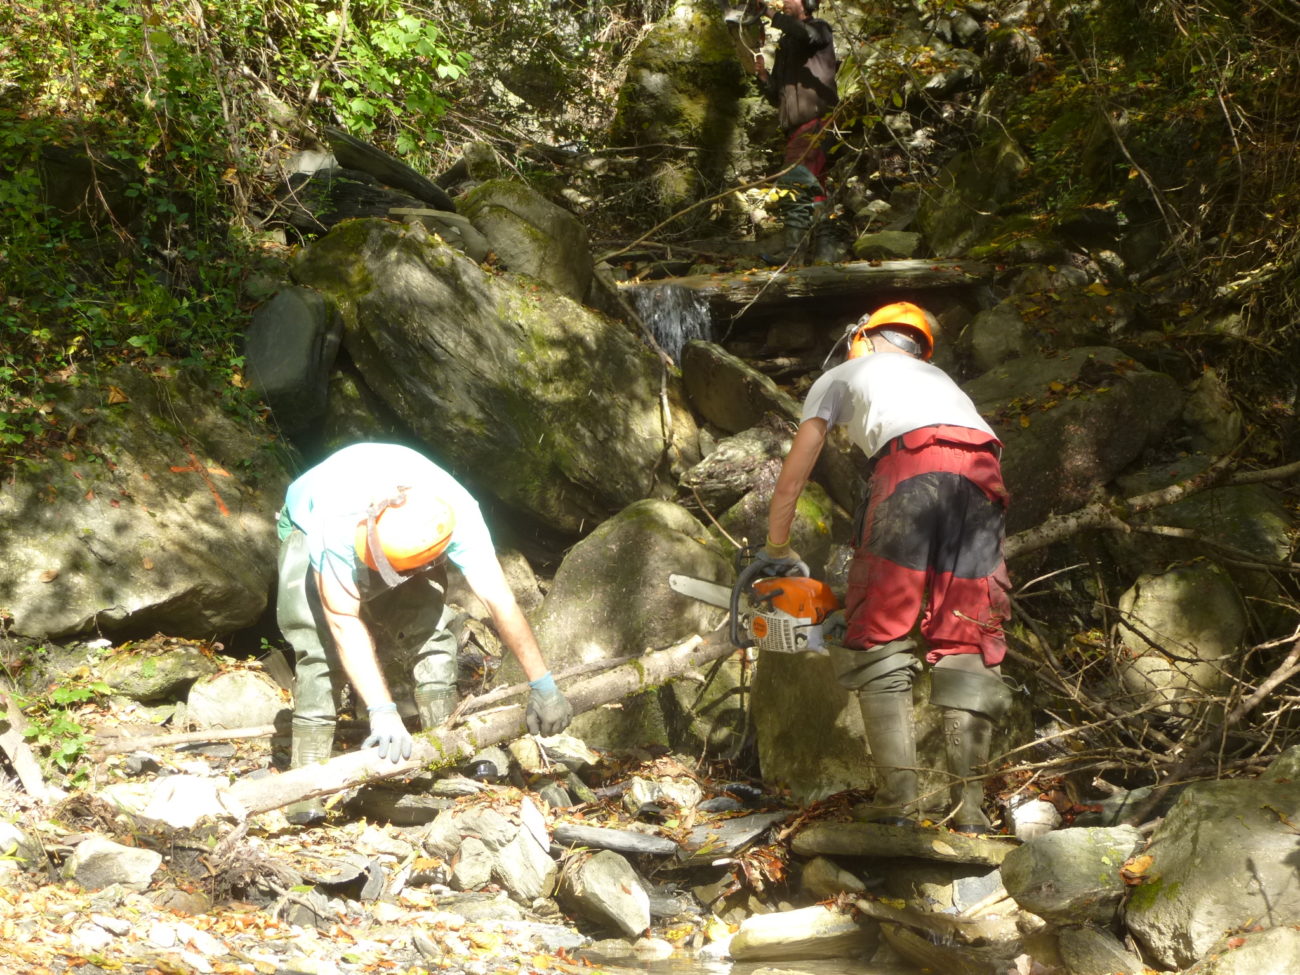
(235, 699)
(1221, 859)
(546, 404)
(740, 463)
(886, 245)
(1071, 875)
(1071, 422)
(289, 349)
(810, 932)
(155, 676)
(683, 88)
(1181, 629)
(97, 863)
(970, 186)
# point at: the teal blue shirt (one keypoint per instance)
(328, 502)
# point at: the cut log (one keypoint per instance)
(763, 290)
(480, 730)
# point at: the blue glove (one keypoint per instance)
(774, 560)
(389, 734)
(549, 711)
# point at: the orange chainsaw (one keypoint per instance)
(785, 614)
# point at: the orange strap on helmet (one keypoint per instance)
(404, 533)
(900, 314)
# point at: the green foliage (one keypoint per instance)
(134, 143)
(52, 727)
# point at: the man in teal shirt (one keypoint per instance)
(364, 538)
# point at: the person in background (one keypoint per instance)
(802, 86)
(365, 536)
(932, 529)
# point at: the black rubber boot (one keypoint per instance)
(967, 736)
(891, 736)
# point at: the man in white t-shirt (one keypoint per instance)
(364, 538)
(930, 546)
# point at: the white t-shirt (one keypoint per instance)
(328, 501)
(884, 395)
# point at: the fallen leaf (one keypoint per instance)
(116, 396)
(1135, 868)
(49, 575)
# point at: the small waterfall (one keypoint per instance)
(674, 315)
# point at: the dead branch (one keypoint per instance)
(448, 748)
(1288, 668)
(1113, 514)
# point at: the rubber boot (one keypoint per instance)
(967, 736)
(310, 744)
(435, 703)
(891, 736)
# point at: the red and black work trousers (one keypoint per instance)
(933, 527)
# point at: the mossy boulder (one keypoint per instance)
(524, 393)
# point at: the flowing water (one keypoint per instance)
(674, 315)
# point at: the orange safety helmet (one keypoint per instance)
(901, 314)
(410, 530)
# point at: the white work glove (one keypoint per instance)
(389, 734)
(549, 711)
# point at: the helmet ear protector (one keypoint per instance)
(902, 323)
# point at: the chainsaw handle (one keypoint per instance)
(743, 582)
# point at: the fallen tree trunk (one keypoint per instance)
(114, 745)
(253, 796)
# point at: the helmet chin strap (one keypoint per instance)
(390, 575)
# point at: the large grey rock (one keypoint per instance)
(1250, 519)
(289, 349)
(1272, 952)
(525, 868)
(604, 888)
(552, 408)
(1088, 950)
(607, 602)
(159, 519)
(1180, 633)
(153, 673)
(1071, 875)
(1071, 422)
(1223, 858)
(235, 699)
(531, 235)
(729, 393)
(98, 862)
(969, 187)
(682, 89)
